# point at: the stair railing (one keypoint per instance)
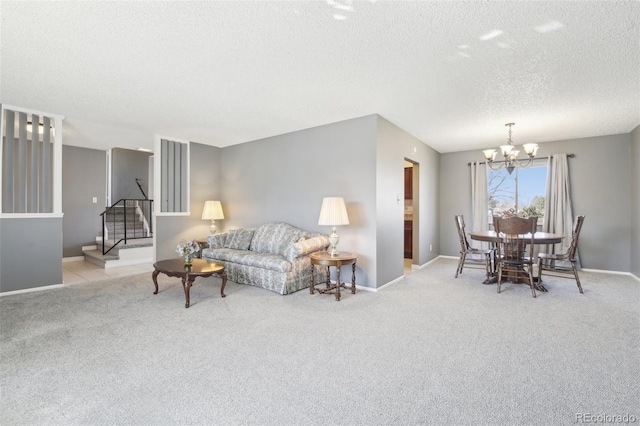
(136, 222)
(141, 190)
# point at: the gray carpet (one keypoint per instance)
(430, 349)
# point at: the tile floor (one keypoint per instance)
(407, 267)
(80, 271)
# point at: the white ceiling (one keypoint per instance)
(222, 73)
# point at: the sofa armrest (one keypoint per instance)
(306, 246)
(216, 240)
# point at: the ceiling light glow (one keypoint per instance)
(490, 35)
(549, 27)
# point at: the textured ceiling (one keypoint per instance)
(222, 73)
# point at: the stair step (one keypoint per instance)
(130, 254)
(131, 243)
(97, 258)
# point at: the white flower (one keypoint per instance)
(187, 248)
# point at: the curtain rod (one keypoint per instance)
(535, 158)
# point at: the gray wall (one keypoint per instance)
(634, 161)
(126, 166)
(600, 185)
(30, 253)
(393, 146)
(205, 185)
(284, 178)
(83, 177)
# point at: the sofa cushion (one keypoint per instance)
(274, 262)
(306, 245)
(239, 239)
(275, 238)
(216, 240)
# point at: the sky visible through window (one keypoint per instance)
(531, 184)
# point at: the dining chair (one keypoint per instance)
(467, 250)
(514, 256)
(547, 261)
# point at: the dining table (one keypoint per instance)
(538, 238)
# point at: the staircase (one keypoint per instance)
(120, 218)
(127, 237)
(134, 252)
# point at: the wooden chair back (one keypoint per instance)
(515, 242)
(575, 234)
(462, 234)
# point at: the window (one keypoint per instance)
(521, 191)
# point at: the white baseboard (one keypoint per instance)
(72, 259)
(604, 271)
(348, 286)
(597, 271)
(30, 290)
(391, 282)
(447, 257)
(88, 248)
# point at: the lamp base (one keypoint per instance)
(333, 242)
(212, 228)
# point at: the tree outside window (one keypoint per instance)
(521, 192)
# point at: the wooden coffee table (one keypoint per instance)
(199, 268)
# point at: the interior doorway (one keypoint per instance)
(411, 214)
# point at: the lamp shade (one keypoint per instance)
(333, 212)
(212, 210)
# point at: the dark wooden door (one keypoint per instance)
(408, 239)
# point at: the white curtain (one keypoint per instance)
(479, 200)
(558, 213)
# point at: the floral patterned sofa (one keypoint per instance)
(274, 256)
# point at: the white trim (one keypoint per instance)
(72, 259)
(157, 194)
(31, 215)
(57, 166)
(363, 288)
(93, 247)
(32, 111)
(109, 165)
(347, 286)
(597, 271)
(389, 283)
(1, 154)
(604, 271)
(171, 214)
(424, 265)
(32, 289)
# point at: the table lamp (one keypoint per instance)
(332, 213)
(212, 210)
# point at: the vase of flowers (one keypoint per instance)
(187, 250)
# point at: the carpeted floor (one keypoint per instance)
(430, 349)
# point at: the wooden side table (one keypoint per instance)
(203, 243)
(323, 258)
(199, 268)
